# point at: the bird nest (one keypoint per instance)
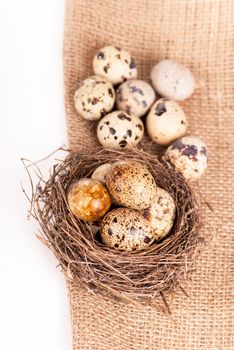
(136, 276)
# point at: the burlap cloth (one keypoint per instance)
(201, 35)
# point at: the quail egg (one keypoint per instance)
(161, 214)
(166, 121)
(135, 97)
(189, 156)
(173, 80)
(94, 98)
(88, 199)
(125, 229)
(100, 172)
(131, 184)
(118, 130)
(115, 64)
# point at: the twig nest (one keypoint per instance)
(94, 98)
(124, 229)
(189, 156)
(135, 97)
(135, 275)
(114, 64)
(131, 184)
(166, 121)
(88, 199)
(173, 80)
(118, 130)
(161, 214)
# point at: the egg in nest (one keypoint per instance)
(125, 229)
(88, 199)
(131, 184)
(161, 214)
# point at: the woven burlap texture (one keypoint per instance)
(201, 35)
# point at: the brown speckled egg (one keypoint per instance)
(161, 214)
(88, 199)
(166, 122)
(173, 80)
(100, 172)
(94, 98)
(125, 229)
(131, 184)
(189, 156)
(115, 64)
(135, 97)
(118, 130)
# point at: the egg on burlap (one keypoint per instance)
(114, 64)
(88, 199)
(161, 214)
(118, 130)
(166, 121)
(135, 97)
(125, 229)
(94, 98)
(131, 184)
(173, 80)
(189, 156)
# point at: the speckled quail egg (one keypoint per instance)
(100, 172)
(118, 130)
(88, 199)
(94, 98)
(135, 97)
(161, 214)
(131, 184)
(125, 229)
(173, 80)
(189, 156)
(115, 64)
(166, 121)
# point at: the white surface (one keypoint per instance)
(34, 313)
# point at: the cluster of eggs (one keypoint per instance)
(143, 213)
(118, 100)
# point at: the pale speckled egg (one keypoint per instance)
(131, 184)
(173, 80)
(135, 97)
(189, 156)
(166, 121)
(115, 64)
(118, 130)
(100, 172)
(88, 199)
(94, 98)
(125, 229)
(161, 214)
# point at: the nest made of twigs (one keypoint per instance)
(135, 276)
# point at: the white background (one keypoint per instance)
(34, 312)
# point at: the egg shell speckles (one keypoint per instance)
(94, 98)
(118, 130)
(166, 121)
(114, 64)
(88, 199)
(161, 214)
(131, 185)
(100, 172)
(135, 97)
(125, 229)
(189, 156)
(173, 80)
